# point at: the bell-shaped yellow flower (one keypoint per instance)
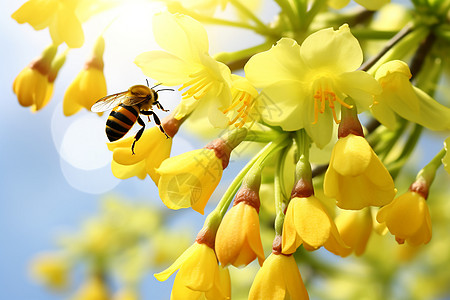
(149, 152)
(199, 275)
(356, 177)
(189, 179)
(369, 4)
(408, 218)
(51, 269)
(94, 289)
(59, 16)
(238, 240)
(355, 227)
(186, 61)
(278, 279)
(33, 86)
(89, 85)
(305, 87)
(307, 222)
(400, 97)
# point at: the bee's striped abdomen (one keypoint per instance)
(120, 120)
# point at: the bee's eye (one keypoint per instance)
(156, 96)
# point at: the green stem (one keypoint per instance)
(236, 60)
(250, 14)
(429, 171)
(409, 147)
(217, 21)
(258, 160)
(303, 145)
(280, 195)
(390, 140)
(391, 43)
(289, 12)
(301, 8)
(366, 33)
(261, 136)
(399, 50)
(311, 14)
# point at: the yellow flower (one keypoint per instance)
(51, 269)
(94, 289)
(307, 222)
(186, 61)
(400, 97)
(304, 87)
(355, 228)
(408, 218)
(189, 179)
(356, 177)
(150, 151)
(238, 240)
(278, 279)
(199, 275)
(33, 86)
(369, 4)
(89, 85)
(59, 16)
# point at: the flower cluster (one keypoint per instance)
(299, 93)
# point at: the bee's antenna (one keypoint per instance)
(165, 90)
(147, 82)
(156, 85)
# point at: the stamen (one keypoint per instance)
(246, 103)
(316, 108)
(204, 90)
(323, 95)
(198, 85)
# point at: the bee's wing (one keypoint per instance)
(109, 102)
(133, 100)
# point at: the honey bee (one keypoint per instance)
(126, 108)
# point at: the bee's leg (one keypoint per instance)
(158, 105)
(157, 121)
(138, 134)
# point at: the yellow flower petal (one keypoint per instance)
(149, 152)
(408, 218)
(278, 279)
(311, 221)
(180, 35)
(335, 50)
(67, 28)
(357, 149)
(189, 179)
(165, 67)
(282, 62)
(238, 241)
(162, 276)
(355, 228)
(362, 180)
(37, 13)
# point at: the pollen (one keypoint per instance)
(198, 86)
(323, 95)
(240, 108)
